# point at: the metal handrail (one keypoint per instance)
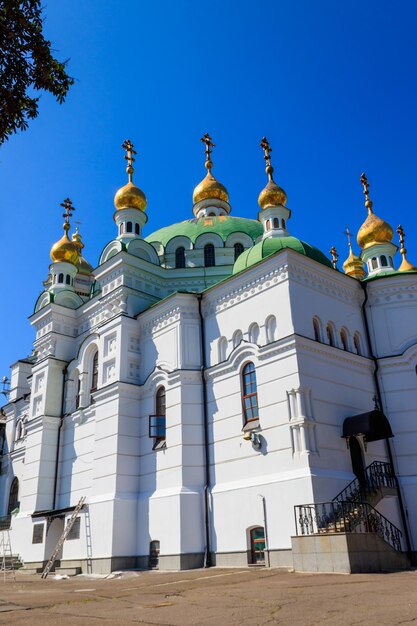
(345, 516)
(377, 474)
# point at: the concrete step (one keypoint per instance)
(68, 571)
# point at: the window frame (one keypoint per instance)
(180, 258)
(157, 421)
(94, 373)
(247, 383)
(209, 255)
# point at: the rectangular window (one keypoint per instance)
(37, 536)
(74, 533)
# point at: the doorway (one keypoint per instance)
(257, 545)
(356, 457)
(154, 548)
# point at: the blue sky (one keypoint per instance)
(331, 84)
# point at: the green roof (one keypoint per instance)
(271, 245)
(222, 226)
(368, 279)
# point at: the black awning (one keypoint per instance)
(53, 512)
(372, 425)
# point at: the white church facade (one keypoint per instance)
(214, 390)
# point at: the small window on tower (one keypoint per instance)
(180, 257)
(268, 224)
(61, 278)
(137, 229)
(238, 250)
(209, 255)
(374, 263)
(129, 228)
(276, 222)
(384, 261)
(68, 279)
(283, 224)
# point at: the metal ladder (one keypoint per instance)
(7, 566)
(62, 538)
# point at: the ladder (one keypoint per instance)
(7, 567)
(62, 538)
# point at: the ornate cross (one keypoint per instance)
(267, 156)
(206, 139)
(335, 256)
(67, 205)
(348, 235)
(128, 146)
(401, 234)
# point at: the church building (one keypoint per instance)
(217, 392)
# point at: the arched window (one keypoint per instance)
(254, 333)
(237, 338)
(180, 257)
(211, 214)
(94, 373)
(384, 261)
(137, 229)
(271, 327)
(13, 496)
(316, 328)
(249, 393)
(343, 339)
(122, 227)
(268, 224)
(390, 261)
(222, 349)
(157, 422)
(357, 343)
(276, 222)
(283, 224)
(330, 335)
(129, 228)
(209, 255)
(238, 250)
(68, 279)
(374, 263)
(61, 278)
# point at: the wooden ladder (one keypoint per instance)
(7, 567)
(62, 538)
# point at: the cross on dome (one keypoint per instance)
(366, 185)
(128, 146)
(69, 208)
(206, 139)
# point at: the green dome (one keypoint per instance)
(269, 246)
(222, 226)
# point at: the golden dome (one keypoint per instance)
(374, 230)
(353, 266)
(130, 197)
(83, 266)
(210, 188)
(272, 195)
(65, 250)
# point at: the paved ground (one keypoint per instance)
(221, 597)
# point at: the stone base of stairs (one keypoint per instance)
(67, 571)
(347, 553)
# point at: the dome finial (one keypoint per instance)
(405, 266)
(267, 156)
(65, 250)
(206, 139)
(272, 195)
(128, 146)
(69, 208)
(368, 201)
(353, 266)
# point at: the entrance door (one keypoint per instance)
(154, 555)
(356, 456)
(257, 544)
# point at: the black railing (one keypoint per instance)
(378, 474)
(345, 517)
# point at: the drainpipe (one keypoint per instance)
(265, 527)
(58, 442)
(207, 554)
(379, 397)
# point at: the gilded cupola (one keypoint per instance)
(374, 230)
(353, 266)
(209, 188)
(405, 266)
(272, 195)
(83, 266)
(130, 196)
(65, 250)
